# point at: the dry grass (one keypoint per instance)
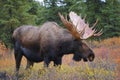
(3, 49)
(106, 65)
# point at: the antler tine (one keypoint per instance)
(65, 22)
(61, 16)
(99, 33)
(66, 18)
(95, 31)
(94, 24)
(84, 18)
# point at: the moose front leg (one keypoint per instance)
(46, 61)
(29, 64)
(58, 61)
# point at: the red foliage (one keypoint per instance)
(3, 49)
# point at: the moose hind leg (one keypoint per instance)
(18, 56)
(29, 64)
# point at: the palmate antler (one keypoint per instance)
(78, 28)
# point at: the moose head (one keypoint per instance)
(80, 31)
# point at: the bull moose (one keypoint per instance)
(50, 41)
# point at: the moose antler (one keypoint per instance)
(78, 28)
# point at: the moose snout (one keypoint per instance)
(91, 57)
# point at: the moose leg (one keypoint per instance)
(18, 56)
(46, 61)
(29, 64)
(58, 61)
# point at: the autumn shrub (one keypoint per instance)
(110, 42)
(98, 70)
(106, 66)
(3, 49)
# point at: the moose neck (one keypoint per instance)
(68, 44)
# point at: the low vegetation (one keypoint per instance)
(106, 65)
